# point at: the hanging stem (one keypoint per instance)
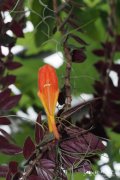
(60, 25)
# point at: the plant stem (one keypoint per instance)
(60, 25)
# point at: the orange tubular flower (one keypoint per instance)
(48, 93)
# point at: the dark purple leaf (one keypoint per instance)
(4, 94)
(3, 171)
(84, 166)
(13, 65)
(68, 113)
(10, 149)
(9, 176)
(28, 148)
(2, 66)
(99, 87)
(99, 52)
(116, 128)
(13, 167)
(62, 96)
(7, 148)
(8, 80)
(6, 40)
(9, 5)
(78, 141)
(10, 102)
(33, 177)
(17, 29)
(107, 46)
(101, 67)
(6, 135)
(99, 129)
(45, 169)
(17, 176)
(4, 121)
(38, 130)
(78, 55)
(3, 140)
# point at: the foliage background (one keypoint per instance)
(44, 40)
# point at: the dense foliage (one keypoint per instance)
(87, 33)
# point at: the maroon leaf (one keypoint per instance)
(3, 140)
(9, 176)
(6, 135)
(84, 166)
(11, 149)
(17, 29)
(9, 5)
(78, 55)
(61, 98)
(8, 148)
(4, 121)
(45, 169)
(17, 176)
(5, 94)
(2, 66)
(99, 52)
(3, 171)
(33, 177)
(116, 128)
(81, 141)
(6, 40)
(9, 79)
(13, 167)
(68, 113)
(38, 130)
(13, 65)
(102, 67)
(10, 102)
(28, 148)
(99, 87)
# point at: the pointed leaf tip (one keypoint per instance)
(28, 148)
(38, 130)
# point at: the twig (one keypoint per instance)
(30, 167)
(67, 55)
(111, 32)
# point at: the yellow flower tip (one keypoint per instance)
(53, 129)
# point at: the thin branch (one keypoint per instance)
(110, 59)
(60, 25)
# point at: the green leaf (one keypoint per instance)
(42, 17)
